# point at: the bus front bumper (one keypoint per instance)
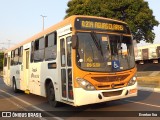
(84, 97)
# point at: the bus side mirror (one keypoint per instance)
(74, 41)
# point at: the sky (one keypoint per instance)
(21, 19)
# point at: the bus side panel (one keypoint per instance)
(152, 53)
(15, 73)
(145, 54)
(34, 78)
(7, 71)
(139, 56)
(38, 74)
(158, 51)
(48, 72)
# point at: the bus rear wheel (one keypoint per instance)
(14, 86)
(51, 96)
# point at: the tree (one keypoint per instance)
(136, 13)
(1, 60)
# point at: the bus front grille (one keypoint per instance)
(110, 78)
(107, 87)
(113, 93)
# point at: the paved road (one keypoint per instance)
(148, 67)
(145, 102)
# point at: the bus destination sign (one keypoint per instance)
(100, 25)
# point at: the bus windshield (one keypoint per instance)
(104, 52)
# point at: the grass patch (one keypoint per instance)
(153, 82)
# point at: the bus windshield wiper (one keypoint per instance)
(97, 42)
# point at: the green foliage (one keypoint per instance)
(136, 13)
(1, 60)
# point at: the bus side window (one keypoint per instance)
(20, 52)
(16, 57)
(12, 57)
(32, 51)
(36, 48)
(39, 50)
(51, 46)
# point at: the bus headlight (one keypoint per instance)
(132, 81)
(85, 84)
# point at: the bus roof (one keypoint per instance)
(67, 21)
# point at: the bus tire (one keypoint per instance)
(14, 86)
(51, 95)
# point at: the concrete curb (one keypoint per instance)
(149, 89)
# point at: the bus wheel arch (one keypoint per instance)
(50, 93)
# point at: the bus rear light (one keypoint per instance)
(85, 84)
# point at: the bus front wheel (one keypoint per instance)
(51, 96)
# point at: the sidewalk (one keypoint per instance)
(149, 89)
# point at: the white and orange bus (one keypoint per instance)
(78, 61)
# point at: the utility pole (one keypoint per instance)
(43, 21)
(9, 43)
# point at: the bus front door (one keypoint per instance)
(7, 72)
(26, 58)
(66, 68)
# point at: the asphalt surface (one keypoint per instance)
(136, 108)
(148, 67)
